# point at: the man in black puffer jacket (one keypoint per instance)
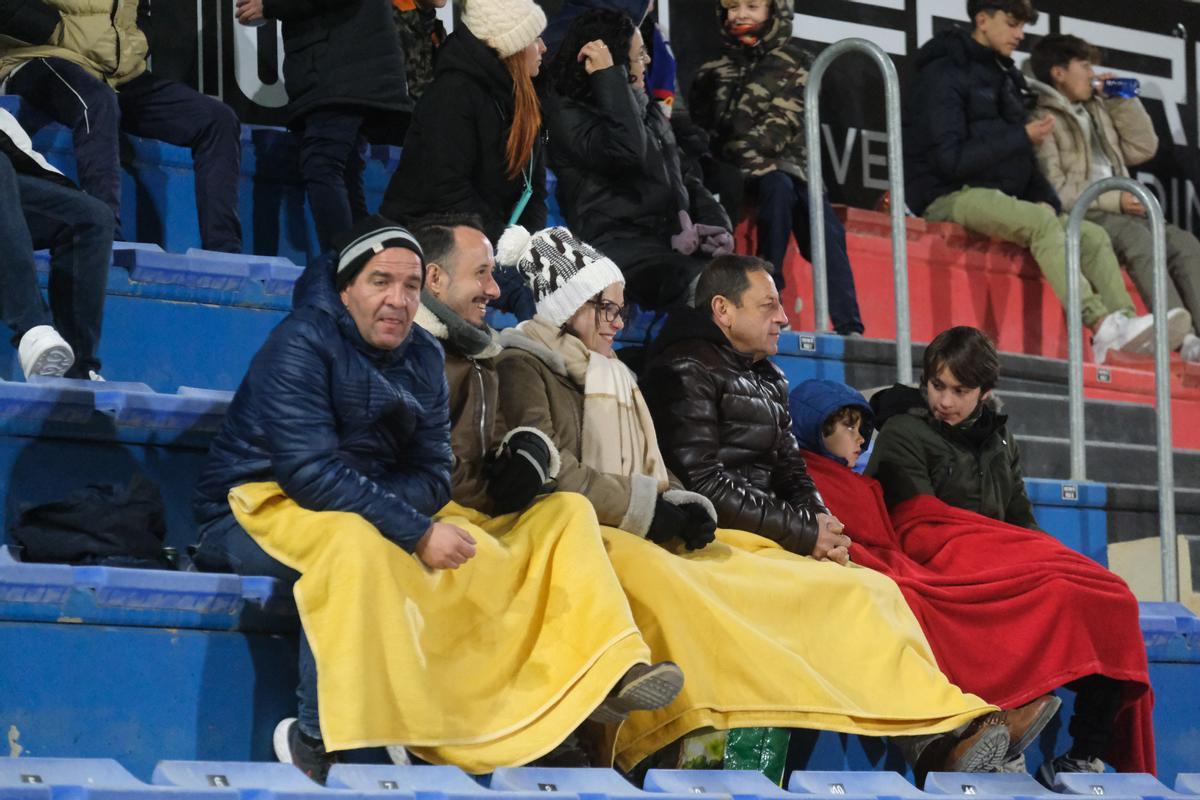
(969, 158)
(720, 409)
(346, 408)
(345, 80)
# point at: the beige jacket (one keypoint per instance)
(101, 36)
(1065, 157)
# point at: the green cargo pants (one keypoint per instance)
(993, 213)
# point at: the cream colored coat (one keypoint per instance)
(1065, 158)
(106, 43)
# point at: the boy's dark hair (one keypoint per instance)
(851, 415)
(1059, 50)
(1023, 10)
(729, 277)
(566, 74)
(969, 355)
(436, 233)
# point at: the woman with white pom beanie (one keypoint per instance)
(475, 143)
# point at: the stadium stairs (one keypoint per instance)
(164, 670)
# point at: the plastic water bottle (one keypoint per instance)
(1119, 87)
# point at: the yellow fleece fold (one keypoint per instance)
(489, 665)
(769, 638)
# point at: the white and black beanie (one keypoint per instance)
(563, 272)
(369, 237)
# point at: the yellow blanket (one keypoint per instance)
(769, 638)
(489, 665)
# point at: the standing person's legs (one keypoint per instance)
(226, 547)
(843, 298)
(21, 303)
(775, 201)
(68, 94)
(79, 232)
(174, 112)
(993, 213)
(330, 145)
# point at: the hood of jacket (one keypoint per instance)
(901, 399)
(511, 337)
(315, 290)
(1048, 96)
(777, 33)
(463, 52)
(813, 401)
(556, 31)
(957, 45)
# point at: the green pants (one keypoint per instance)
(993, 213)
(1134, 246)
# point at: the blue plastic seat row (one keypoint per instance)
(133, 405)
(164, 598)
(105, 779)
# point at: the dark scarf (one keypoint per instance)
(460, 335)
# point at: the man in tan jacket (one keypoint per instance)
(83, 63)
(1095, 137)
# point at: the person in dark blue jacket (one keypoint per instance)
(346, 408)
(969, 157)
(832, 419)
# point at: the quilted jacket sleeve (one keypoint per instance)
(300, 432)
(422, 476)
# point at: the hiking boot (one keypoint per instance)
(42, 351)
(1048, 772)
(644, 687)
(1026, 722)
(307, 754)
(979, 747)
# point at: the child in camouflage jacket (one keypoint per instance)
(751, 103)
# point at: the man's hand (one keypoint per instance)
(1131, 205)
(1038, 130)
(832, 545)
(595, 56)
(445, 546)
(249, 12)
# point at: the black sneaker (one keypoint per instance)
(304, 752)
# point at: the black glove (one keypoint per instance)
(699, 530)
(669, 521)
(520, 471)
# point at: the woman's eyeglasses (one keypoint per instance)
(610, 311)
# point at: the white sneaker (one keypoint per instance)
(43, 351)
(95, 376)
(1137, 335)
(1189, 350)
(1179, 325)
(1108, 335)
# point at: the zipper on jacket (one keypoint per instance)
(483, 442)
(112, 18)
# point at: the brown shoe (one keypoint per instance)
(982, 747)
(644, 687)
(1026, 722)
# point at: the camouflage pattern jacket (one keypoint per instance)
(420, 33)
(751, 100)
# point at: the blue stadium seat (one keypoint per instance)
(32, 591)
(189, 409)
(421, 782)
(740, 784)
(89, 779)
(587, 784)
(163, 598)
(253, 780)
(853, 784)
(986, 784)
(1113, 784)
(44, 400)
(1171, 632)
(1188, 783)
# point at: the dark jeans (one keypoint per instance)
(332, 158)
(1097, 701)
(145, 106)
(783, 212)
(226, 547)
(36, 213)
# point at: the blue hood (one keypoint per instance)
(812, 402)
(556, 31)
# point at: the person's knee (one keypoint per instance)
(1094, 241)
(93, 217)
(223, 120)
(101, 112)
(775, 188)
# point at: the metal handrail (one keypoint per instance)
(816, 205)
(1162, 374)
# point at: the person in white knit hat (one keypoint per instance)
(686, 581)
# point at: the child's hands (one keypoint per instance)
(595, 56)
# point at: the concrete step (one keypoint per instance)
(1049, 457)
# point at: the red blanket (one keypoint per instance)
(1011, 613)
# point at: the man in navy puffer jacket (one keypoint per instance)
(346, 408)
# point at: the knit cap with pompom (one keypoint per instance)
(506, 26)
(563, 272)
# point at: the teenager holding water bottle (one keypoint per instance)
(1101, 130)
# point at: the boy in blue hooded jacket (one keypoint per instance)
(832, 419)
